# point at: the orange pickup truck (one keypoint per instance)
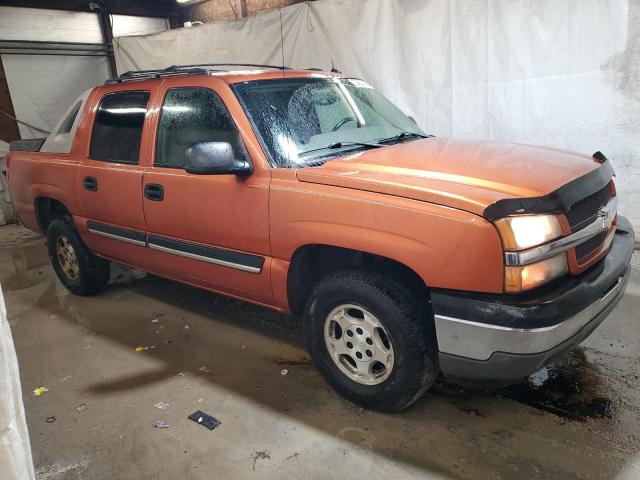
(310, 193)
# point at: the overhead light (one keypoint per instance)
(189, 2)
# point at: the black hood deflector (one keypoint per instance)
(559, 200)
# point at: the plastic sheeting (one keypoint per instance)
(15, 449)
(562, 73)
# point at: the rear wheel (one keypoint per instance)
(371, 339)
(77, 268)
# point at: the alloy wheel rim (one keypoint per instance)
(67, 258)
(359, 344)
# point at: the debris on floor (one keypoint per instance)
(292, 362)
(81, 408)
(262, 455)
(161, 424)
(162, 405)
(204, 419)
(39, 391)
(50, 419)
(204, 369)
(142, 349)
(284, 371)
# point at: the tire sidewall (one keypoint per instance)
(56, 229)
(409, 363)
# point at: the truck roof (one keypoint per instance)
(243, 72)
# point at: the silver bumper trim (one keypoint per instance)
(479, 341)
(537, 254)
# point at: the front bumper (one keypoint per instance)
(506, 338)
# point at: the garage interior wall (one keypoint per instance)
(42, 87)
(559, 73)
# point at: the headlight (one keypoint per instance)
(520, 233)
(526, 277)
(524, 232)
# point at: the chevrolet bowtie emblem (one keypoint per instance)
(606, 214)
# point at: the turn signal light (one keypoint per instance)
(526, 277)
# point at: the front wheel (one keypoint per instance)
(77, 268)
(372, 340)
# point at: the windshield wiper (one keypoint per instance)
(401, 136)
(336, 145)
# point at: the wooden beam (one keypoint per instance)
(8, 127)
(243, 8)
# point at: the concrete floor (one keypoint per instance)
(578, 419)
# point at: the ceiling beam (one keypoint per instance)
(140, 8)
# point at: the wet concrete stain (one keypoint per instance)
(569, 388)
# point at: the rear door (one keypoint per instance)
(110, 178)
(208, 230)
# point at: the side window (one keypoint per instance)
(117, 128)
(190, 116)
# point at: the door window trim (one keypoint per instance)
(159, 120)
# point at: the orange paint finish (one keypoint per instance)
(464, 174)
(50, 175)
(447, 248)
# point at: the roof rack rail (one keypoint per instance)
(196, 69)
(258, 65)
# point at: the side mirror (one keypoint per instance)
(215, 158)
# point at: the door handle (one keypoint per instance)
(153, 191)
(90, 183)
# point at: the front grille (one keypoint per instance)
(585, 211)
(586, 248)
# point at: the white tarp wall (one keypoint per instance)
(42, 87)
(563, 73)
(15, 450)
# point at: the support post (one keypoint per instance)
(107, 37)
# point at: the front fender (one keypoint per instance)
(447, 248)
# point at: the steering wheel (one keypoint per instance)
(342, 122)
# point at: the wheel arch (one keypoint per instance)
(312, 262)
(48, 208)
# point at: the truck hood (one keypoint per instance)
(463, 174)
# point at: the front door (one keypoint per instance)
(110, 179)
(208, 230)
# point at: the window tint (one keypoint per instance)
(66, 125)
(190, 116)
(117, 129)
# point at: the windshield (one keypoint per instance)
(302, 120)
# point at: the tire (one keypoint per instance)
(88, 274)
(406, 321)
